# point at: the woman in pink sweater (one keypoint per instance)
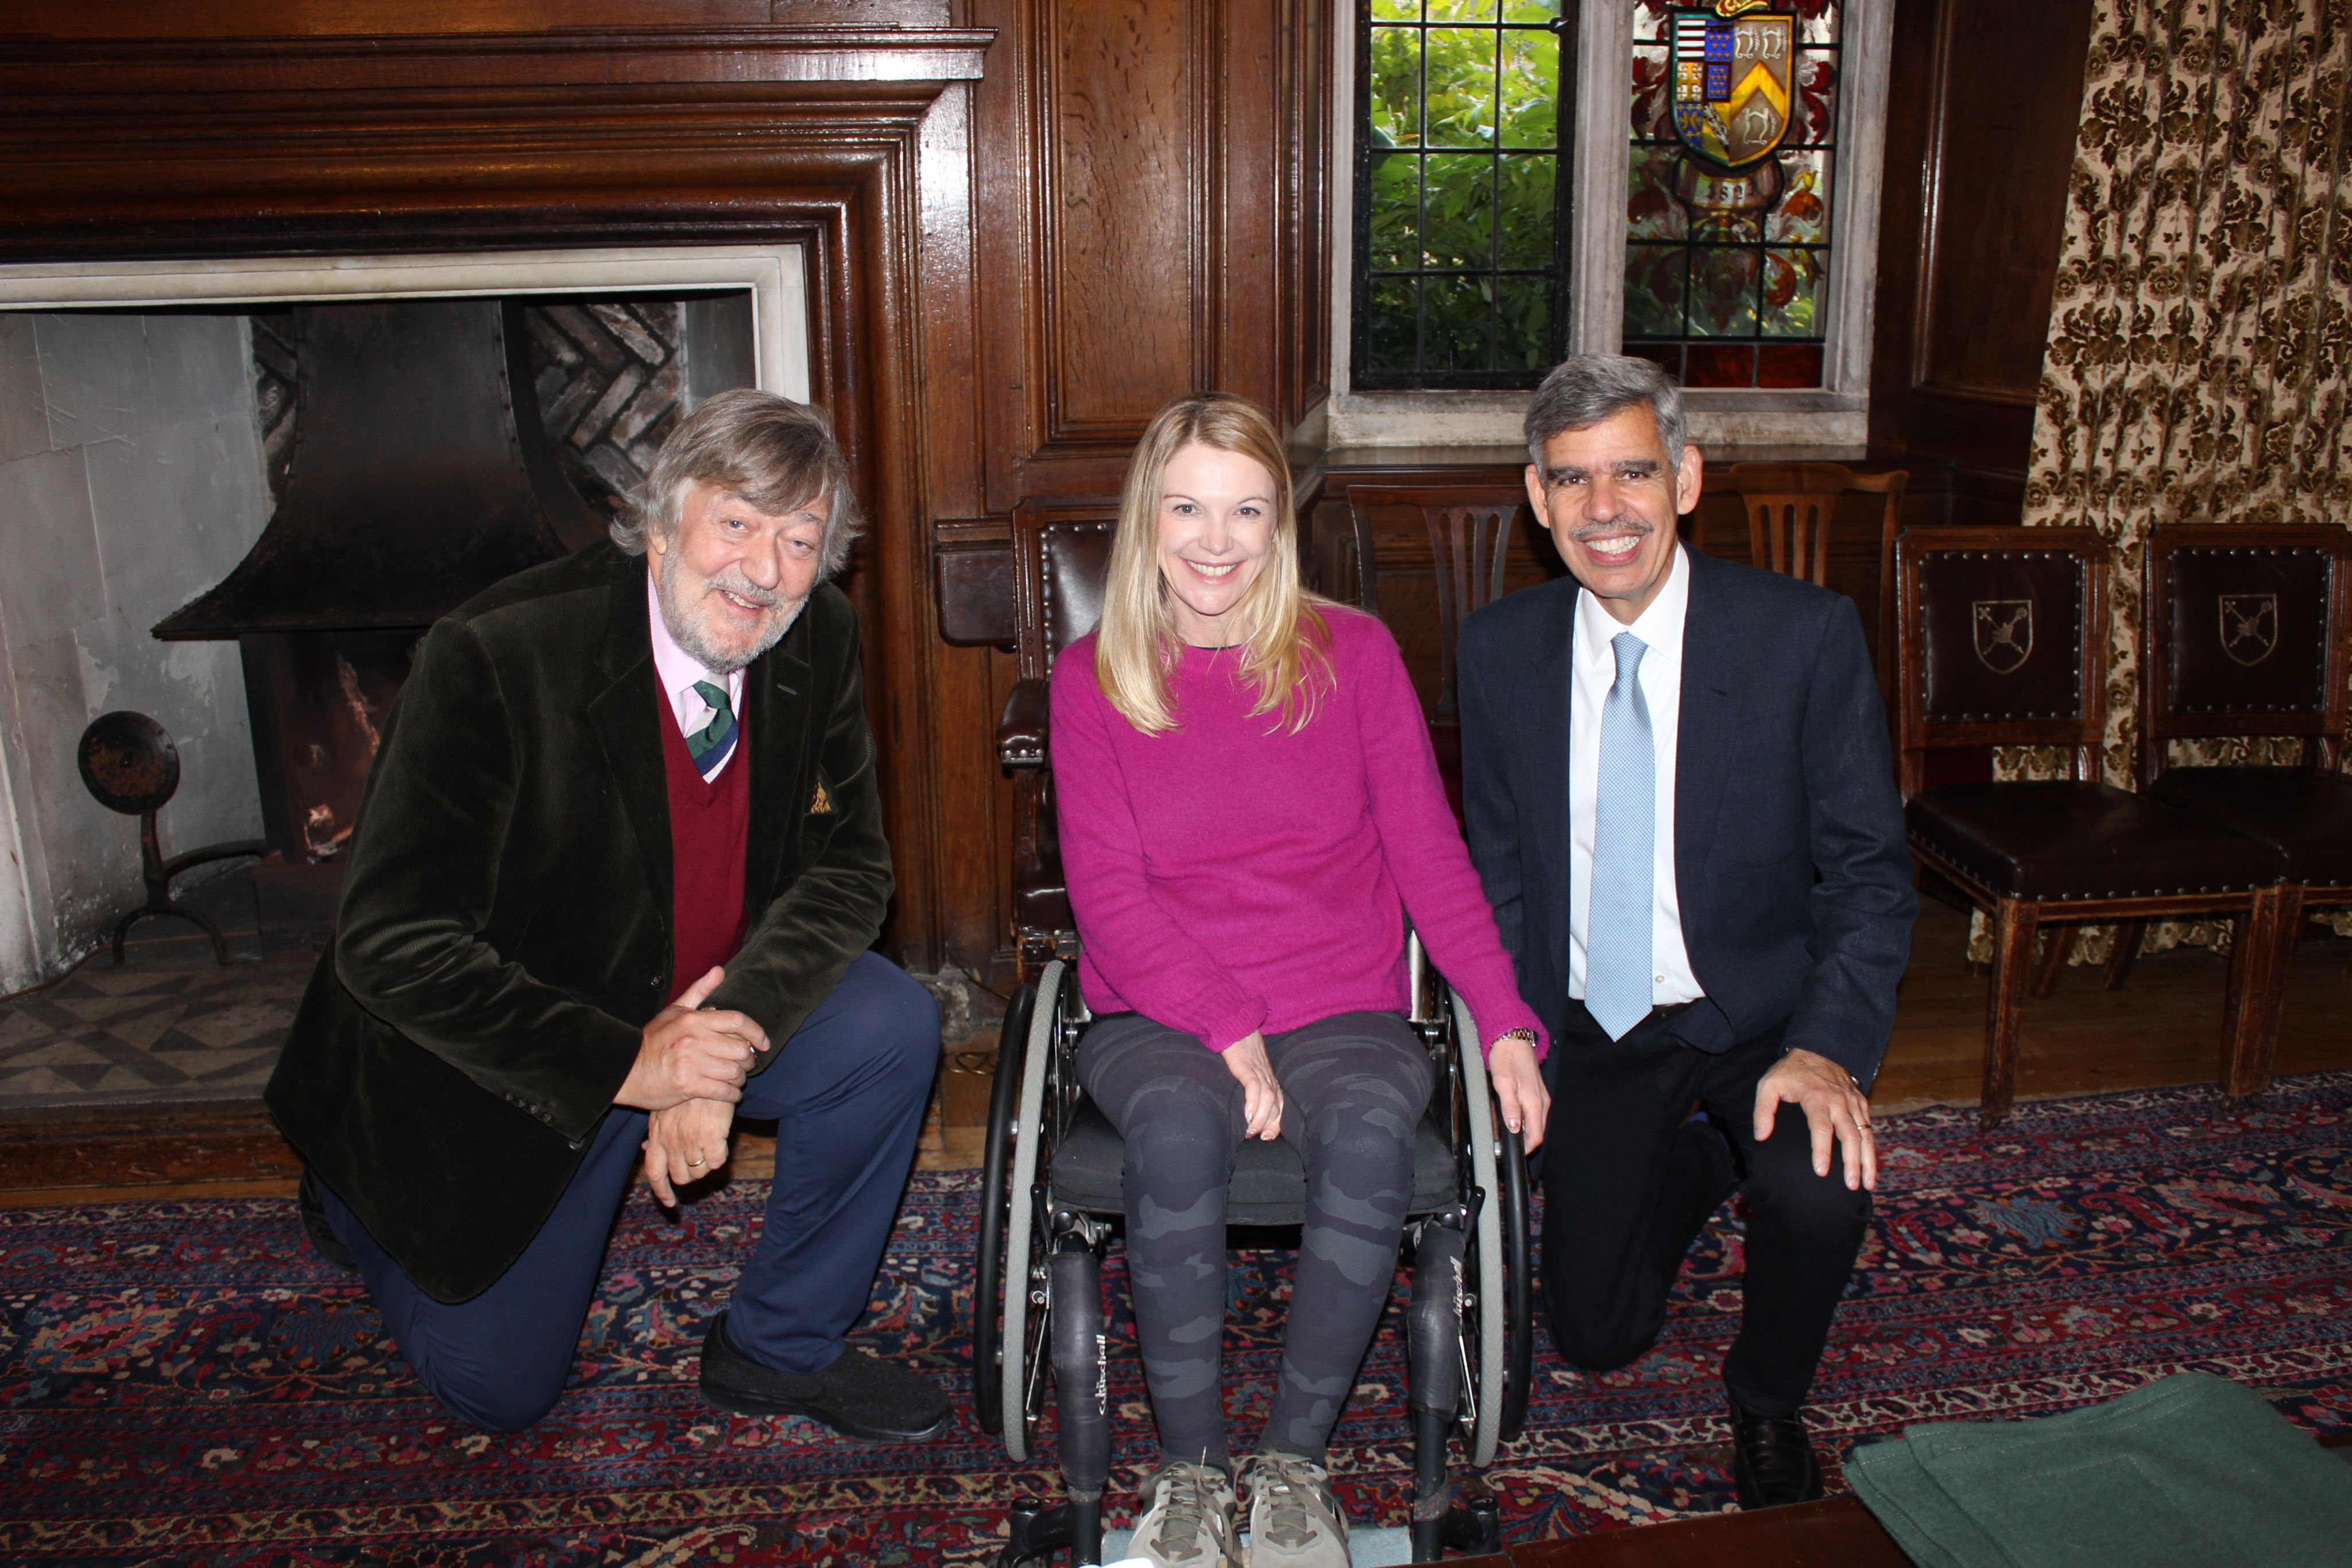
(1250, 813)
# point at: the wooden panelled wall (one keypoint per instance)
(1983, 99)
(1031, 222)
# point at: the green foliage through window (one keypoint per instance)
(1460, 192)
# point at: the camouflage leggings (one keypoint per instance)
(1353, 1086)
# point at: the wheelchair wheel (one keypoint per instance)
(1027, 1283)
(1484, 1330)
(987, 1305)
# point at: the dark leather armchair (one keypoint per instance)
(2244, 632)
(2001, 641)
(1061, 557)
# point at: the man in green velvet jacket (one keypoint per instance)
(617, 870)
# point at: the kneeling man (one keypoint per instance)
(1679, 794)
(617, 870)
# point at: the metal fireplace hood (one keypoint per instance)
(421, 475)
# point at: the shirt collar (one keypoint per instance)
(1659, 626)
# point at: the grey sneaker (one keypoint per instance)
(1187, 1519)
(1294, 1520)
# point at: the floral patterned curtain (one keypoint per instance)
(2199, 355)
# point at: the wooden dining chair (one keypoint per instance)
(2002, 641)
(2247, 630)
(1469, 532)
(1789, 508)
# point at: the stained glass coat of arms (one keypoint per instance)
(1728, 204)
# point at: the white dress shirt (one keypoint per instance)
(1594, 666)
(677, 670)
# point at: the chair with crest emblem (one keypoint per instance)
(2001, 641)
(2247, 632)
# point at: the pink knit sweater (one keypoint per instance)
(1230, 875)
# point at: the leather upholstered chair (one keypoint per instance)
(1061, 558)
(2002, 641)
(2247, 632)
(1789, 508)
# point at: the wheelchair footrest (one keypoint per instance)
(1471, 1526)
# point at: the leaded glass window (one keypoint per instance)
(1461, 194)
(1728, 200)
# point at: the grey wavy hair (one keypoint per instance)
(776, 453)
(1585, 388)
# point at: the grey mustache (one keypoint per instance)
(742, 587)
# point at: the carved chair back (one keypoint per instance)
(2001, 639)
(1469, 532)
(2245, 631)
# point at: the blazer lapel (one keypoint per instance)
(1551, 699)
(779, 717)
(624, 714)
(1704, 734)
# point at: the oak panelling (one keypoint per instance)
(1983, 102)
(1130, 210)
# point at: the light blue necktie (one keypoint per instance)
(1624, 846)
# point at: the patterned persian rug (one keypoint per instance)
(183, 1382)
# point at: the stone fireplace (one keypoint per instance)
(142, 452)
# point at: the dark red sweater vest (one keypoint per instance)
(710, 823)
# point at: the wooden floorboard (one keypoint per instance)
(2164, 1028)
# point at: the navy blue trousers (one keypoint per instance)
(847, 1093)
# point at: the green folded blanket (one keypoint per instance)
(2190, 1472)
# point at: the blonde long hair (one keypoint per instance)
(1137, 644)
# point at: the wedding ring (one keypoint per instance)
(695, 1161)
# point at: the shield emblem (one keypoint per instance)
(2249, 626)
(2004, 634)
(1732, 81)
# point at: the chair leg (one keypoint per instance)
(2012, 963)
(2129, 935)
(2054, 954)
(2260, 950)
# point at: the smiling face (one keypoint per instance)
(1609, 495)
(732, 578)
(1215, 524)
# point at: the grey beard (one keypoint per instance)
(690, 636)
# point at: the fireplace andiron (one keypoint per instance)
(130, 766)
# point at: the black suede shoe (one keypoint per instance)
(323, 1240)
(858, 1395)
(1772, 1459)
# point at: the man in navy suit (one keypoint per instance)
(1679, 796)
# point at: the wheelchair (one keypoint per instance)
(1052, 1188)
(1051, 1200)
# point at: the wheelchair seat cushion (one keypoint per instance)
(1269, 1184)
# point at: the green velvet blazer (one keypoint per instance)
(504, 930)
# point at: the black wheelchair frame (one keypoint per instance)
(1037, 1301)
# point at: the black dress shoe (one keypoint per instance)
(323, 1240)
(858, 1395)
(1772, 1459)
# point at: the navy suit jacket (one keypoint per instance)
(1789, 860)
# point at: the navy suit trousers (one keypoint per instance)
(847, 1093)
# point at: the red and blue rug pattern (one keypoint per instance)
(185, 1383)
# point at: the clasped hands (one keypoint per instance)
(1511, 1063)
(689, 1072)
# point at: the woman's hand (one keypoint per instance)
(1261, 1095)
(1518, 1085)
